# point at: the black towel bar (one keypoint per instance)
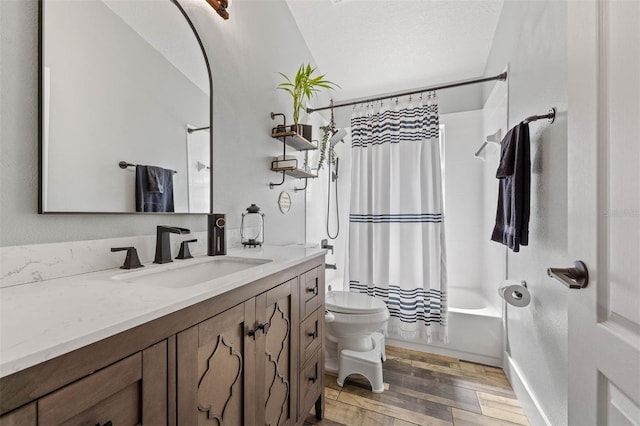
(551, 116)
(124, 165)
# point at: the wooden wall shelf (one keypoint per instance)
(294, 140)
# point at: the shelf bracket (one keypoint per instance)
(306, 182)
(271, 184)
(284, 118)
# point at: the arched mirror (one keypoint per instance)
(124, 84)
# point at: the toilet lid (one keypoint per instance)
(346, 302)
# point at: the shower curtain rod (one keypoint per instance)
(501, 77)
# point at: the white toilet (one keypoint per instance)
(354, 336)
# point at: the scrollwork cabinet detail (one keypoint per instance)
(239, 366)
(215, 370)
(274, 356)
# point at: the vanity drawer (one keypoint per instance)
(25, 416)
(310, 383)
(310, 292)
(112, 394)
(311, 334)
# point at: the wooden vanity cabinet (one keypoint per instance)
(247, 357)
(238, 367)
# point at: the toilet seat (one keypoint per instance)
(346, 302)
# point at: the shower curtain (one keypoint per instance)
(396, 228)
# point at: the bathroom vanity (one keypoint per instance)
(113, 347)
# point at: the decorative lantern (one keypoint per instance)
(252, 227)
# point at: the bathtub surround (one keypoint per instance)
(464, 193)
(396, 229)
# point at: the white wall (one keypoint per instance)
(531, 38)
(246, 52)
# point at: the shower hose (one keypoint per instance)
(333, 178)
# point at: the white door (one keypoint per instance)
(604, 210)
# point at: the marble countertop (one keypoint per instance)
(42, 320)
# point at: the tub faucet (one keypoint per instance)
(163, 242)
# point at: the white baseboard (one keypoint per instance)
(527, 399)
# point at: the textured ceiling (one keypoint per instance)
(372, 47)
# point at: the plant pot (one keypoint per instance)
(304, 130)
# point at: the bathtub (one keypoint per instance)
(475, 330)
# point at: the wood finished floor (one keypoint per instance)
(423, 389)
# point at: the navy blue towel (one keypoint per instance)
(154, 189)
(514, 194)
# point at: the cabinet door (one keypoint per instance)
(129, 392)
(274, 355)
(215, 370)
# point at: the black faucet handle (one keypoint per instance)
(131, 261)
(184, 252)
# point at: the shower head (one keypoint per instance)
(337, 137)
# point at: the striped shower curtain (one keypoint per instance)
(396, 232)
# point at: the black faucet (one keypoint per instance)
(163, 243)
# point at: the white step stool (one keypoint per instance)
(368, 364)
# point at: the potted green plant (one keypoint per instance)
(327, 152)
(303, 87)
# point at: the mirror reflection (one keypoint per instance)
(123, 82)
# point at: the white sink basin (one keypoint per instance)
(177, 275)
